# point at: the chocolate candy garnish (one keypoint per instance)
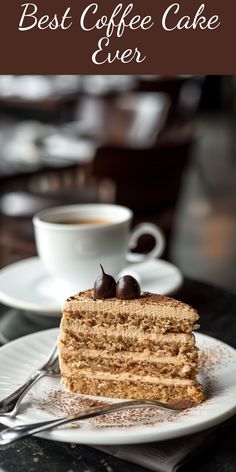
(105, 286)
(127, 288)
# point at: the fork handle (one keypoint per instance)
(11, 403)
(10, 435)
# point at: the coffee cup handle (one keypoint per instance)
(140, 230)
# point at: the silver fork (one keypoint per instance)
(9, 406)
(10, 435)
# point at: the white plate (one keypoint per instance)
(27, 286)
(20, 358)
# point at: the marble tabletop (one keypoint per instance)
(217, 308)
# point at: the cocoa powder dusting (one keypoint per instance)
(60, 403)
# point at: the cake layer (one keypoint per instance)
(73, 361)
(150, 311)
(134, 378)
(148, 323)
(113, 340)
(133, 389)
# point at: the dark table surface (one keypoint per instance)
(218, 319)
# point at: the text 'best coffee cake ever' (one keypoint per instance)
(129, 344)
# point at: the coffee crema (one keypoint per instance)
(80, 221)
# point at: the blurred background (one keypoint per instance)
(163, 146)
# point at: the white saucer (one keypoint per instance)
(48, 399)
(27, 286)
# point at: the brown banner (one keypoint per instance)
(112, 37)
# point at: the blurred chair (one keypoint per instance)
(140, 118)
(127, 119)
(146, 180)
(184, 93)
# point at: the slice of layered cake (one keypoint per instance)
(140, 348)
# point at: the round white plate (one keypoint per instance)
(27, 286)
(48, 399)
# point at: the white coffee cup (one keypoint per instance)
(73, 240)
